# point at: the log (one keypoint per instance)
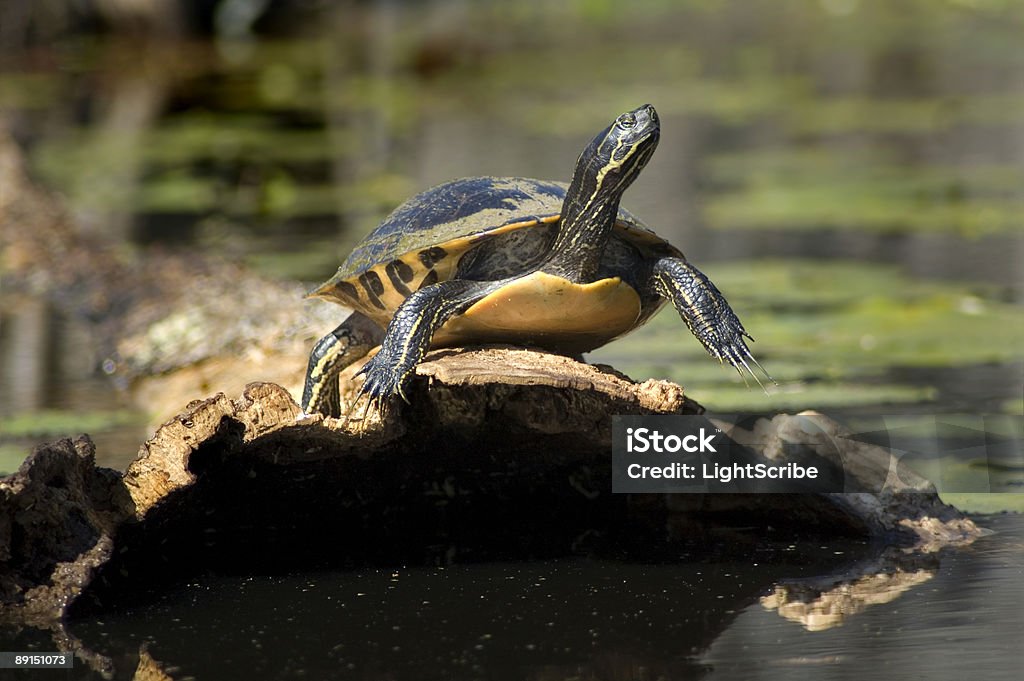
(495, 443)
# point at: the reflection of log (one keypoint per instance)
(495, 444)
(149, 669)
(825, 601)
(818, 611)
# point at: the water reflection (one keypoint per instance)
(824, 603)
(610, 619)
(962, 623)
(50, 386)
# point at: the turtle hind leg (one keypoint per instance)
(706, 313)
(409, 334)
(353, 339)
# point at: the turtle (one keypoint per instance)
(516, 261)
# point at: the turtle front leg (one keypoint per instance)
(355, 337)
(706, 313)
(409, 334)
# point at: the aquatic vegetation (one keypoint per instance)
(985, 503)
(56, 421)
(20, 431)
(830, 333)
(864, 189)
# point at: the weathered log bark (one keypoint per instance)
(495, 444)
(58, 516)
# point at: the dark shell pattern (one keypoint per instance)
(421, 241)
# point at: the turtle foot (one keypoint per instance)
(384, 383)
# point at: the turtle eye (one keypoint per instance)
(627, 121)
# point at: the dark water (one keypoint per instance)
(861, 613)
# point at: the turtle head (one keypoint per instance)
(604, 170)
(615, 157)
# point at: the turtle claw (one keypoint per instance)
(728, 343)
(736, 352)
(383, 383)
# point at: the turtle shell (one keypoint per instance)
(421, 242)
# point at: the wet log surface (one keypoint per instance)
(503, 453)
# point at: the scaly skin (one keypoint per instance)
(706, 312)
(352, 340)
(407, 339)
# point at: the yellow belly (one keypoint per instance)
(547, 311)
